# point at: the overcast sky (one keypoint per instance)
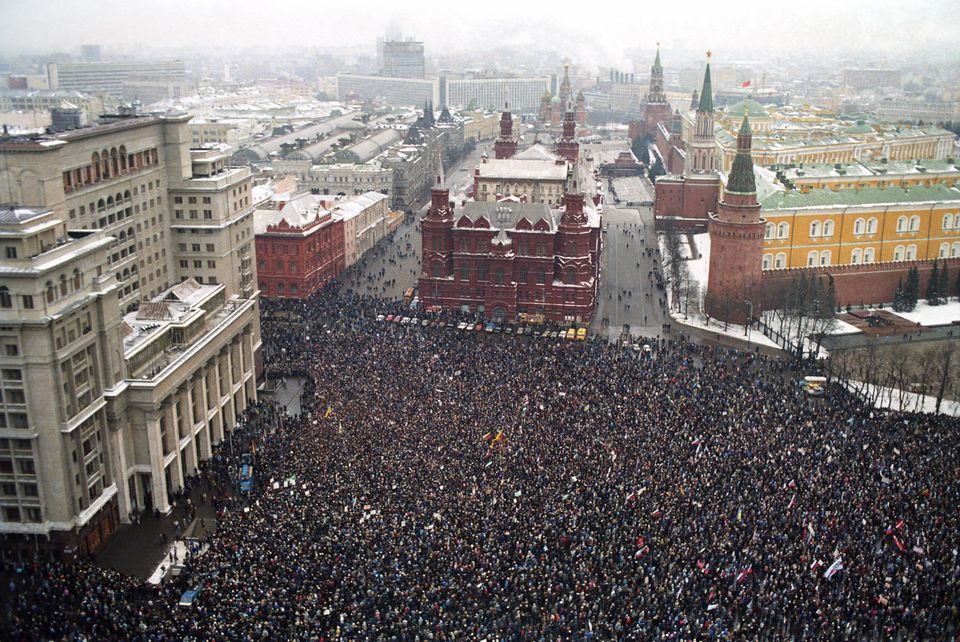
(592, 32)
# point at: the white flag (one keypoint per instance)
(836, 566)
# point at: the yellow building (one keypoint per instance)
(851, 226)
(905, 174)
(794, 135)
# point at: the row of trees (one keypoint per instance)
(901, 376)
(641, 149)
(938, 288)
(803, 309)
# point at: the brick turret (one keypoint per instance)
(736, 241)
(505, 146)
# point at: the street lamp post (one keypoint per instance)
(746, 329)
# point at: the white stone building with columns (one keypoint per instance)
(129, 324)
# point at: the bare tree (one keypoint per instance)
(943, 373)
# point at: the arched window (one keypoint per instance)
(783, 230)
(872, 226)
(955, 249)
(859, 226)
(812, 258)
(815, 228)
(769, 231)
(123, 158)
(911, 252)
(105, 163)
(51, 292)
(498, 276)
(435, 270)
(109, 201)
(902, 224)
(77, 280)
(828, 228)
(767, 261)
(126, 195)
(868, 255)
(95, 159)
(944, 250)
(948, 221)
(5, 300)
(856, 255)
(63, 285)
(780, 260)
(571, 276)
(914, 223)
(825, 257)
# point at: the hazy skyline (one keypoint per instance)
(890, 27)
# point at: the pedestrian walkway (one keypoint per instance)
(138, 549)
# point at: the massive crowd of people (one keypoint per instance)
(449, 487)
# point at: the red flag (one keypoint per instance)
(898, 543)
(745, 83)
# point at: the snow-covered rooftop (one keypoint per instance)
(513, 168)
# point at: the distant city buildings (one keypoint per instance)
(393, 91)
(126, 80)
(521, 94)
(864, 78)
(898, 110)
(401, 58)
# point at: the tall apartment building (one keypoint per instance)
(129, 316)
(402, 59)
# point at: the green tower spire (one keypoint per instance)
(706, 94)
(741, 178)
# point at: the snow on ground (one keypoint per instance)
(179, 555)
(926, 314)
(842, 327)
(890, 398)
(698, 320)
(697, 269)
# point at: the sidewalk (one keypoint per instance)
(137, 550)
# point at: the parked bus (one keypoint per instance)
(246, 474)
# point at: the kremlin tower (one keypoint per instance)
(736, 241)
(702, 155)
(505, 146)
(656, 108)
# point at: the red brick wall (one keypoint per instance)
(668, 199)
(870, 283)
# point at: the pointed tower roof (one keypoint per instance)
(741, 178)
(656, 61)
(706, 94)
(695, 99)
(676, 127)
